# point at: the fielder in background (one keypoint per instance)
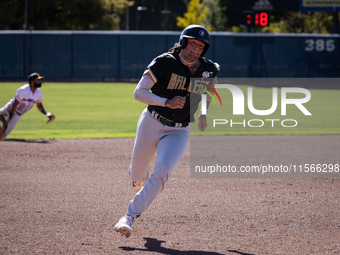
(25, 98)
(164, 126)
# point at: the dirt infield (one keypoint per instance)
(64, 196)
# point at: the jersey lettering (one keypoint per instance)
(172, 81)
(181, 83)
(197, 86)
(177, 82)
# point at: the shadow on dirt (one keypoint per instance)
(26, 141)
(241, 253)
(154, 245)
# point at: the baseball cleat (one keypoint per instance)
(124, 225)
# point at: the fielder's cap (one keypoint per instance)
(34, 76)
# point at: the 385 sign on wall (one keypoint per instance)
(320, 45)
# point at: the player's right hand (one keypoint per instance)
(175, 103)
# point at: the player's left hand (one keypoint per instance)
(202, 122)
(50, 117)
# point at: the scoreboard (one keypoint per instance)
(256, 13)
(257, 19)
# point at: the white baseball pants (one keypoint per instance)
(154, 137)
(12, 123)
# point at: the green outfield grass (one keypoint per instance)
(106, 110)
(83, 110)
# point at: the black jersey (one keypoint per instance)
(173, 78)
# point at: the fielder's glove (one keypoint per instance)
(50, 117)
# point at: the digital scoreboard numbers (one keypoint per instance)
(256, 13)
(260, 19)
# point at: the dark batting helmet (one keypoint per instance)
(195, 32)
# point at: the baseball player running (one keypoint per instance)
(25, 98)
(164, 126)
